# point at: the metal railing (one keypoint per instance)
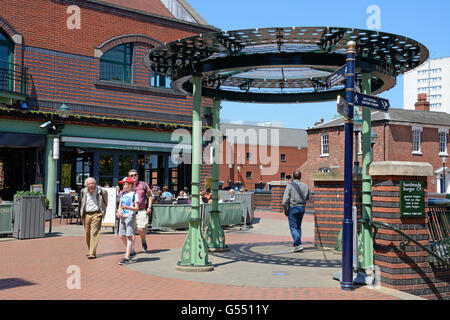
(435, 255)
(13, 77)
(439, 226)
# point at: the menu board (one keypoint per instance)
(412, 204)
(110, 216)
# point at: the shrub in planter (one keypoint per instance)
(29, 215)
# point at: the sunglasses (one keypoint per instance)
(133, 175)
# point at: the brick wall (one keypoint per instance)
(277, 195)
(328, 206)
(407, 270)
(294, 159)
(263, 201)
(63, 67)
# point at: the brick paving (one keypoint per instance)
(39, 269)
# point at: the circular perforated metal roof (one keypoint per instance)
(282, 64)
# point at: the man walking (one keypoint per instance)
(294, 202)
(142, 189)
(93, 202)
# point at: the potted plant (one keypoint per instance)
(29, 215)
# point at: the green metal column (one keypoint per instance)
(366, 235)
(194, 254)
(215, 236)
(50, 174)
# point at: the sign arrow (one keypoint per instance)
(371, 102)
(343, 107)
(337, 76)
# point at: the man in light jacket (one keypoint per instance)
(294, 202)
(93, 202)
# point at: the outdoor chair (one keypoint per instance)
(67, 209)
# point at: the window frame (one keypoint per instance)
(416, 132)
(322, 144)
(127, 66)
(444, 133)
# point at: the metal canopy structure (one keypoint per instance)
(282, 65)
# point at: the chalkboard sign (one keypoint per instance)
(412, 204)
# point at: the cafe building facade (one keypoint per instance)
(77, 101)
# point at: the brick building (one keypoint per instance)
(418, 135)
(254, 155)
(87, 56)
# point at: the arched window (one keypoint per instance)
(115, 64)
(6, 62)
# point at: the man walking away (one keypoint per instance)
(294, 201)
(93, 202)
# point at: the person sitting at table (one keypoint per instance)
(182, 195)
(166, 195)
(208, 195)
(232, 195)
(157, 196)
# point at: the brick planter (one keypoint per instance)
(407, 270)
(277, 195)
(329, 206)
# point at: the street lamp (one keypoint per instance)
(63, 111)
(444, 159)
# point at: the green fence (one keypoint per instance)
(176, 216)
(6, 212)
(230, 213)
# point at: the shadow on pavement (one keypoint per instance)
(9, 283)
(278, 253)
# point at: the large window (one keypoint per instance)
(416, 139)
(324, 149)
(6, 51)
(115, 64)
(443, 141)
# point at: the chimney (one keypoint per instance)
(422, 103)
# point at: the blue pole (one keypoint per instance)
(347, 228)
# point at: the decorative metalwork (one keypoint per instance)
(282, 64)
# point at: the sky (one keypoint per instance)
(427, 22)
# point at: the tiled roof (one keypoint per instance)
(418, 117)
(150, 6)
(288, 137)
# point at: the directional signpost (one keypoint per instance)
(344, 108)
(372, 102)
(336, 77)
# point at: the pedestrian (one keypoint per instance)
(145, 206)
(294, 201)
(93, 202)
(128, 206)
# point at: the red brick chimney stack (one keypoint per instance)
(422, 103)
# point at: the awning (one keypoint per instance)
(122, 144)
(10, 139)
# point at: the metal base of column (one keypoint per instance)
(224, 249)
(194, 254)
(215, 237)
(194, 268)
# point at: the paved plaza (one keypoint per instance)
(258, 266)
